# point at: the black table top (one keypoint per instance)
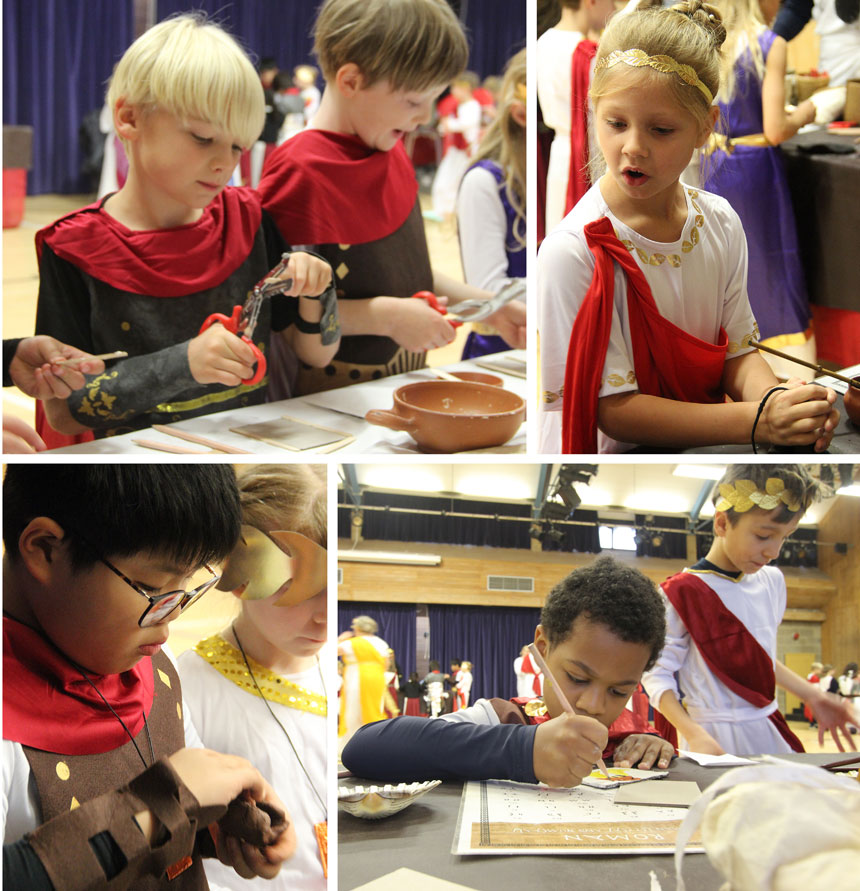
(421, 836)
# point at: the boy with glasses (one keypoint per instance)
(99, 559)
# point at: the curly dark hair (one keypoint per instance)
(611, 594)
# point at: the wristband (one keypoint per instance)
(761, 406)
(328, 327)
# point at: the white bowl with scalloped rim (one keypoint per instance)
(375, 802)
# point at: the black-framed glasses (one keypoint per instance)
(162, 605)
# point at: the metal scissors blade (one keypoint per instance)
(475, 310)
(267, 287)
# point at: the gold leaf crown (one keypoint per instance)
(637, 58)
(745, 495)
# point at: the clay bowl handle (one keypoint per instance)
(389, 419)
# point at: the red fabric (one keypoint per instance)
(69, 717)
(528, 667)
(837, 333)
(412, 706)
(53, 439)
(807, 711)
(734, 656)
(577, 180)
(543, 146)
(664, 356)
(483, 97)
(626, 724)
(330, 188)
(171, 262)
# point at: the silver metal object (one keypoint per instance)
(476, 310)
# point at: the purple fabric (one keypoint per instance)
(753, 181)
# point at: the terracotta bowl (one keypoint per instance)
(443, 416)
(852, 402)
(478, 377)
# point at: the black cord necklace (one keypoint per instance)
(124, 727)
(284, 729)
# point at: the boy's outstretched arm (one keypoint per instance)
(410, 749)
(830, 711)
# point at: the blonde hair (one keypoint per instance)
(289, 497)
(744, 23)
(192, 68)
(305, 74)
(505, 142)
(412, 44)
(691, 33)
(365, 624)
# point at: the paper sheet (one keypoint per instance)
(667, 793)
(409, 878)
(621, 776)
(715, 760)
(503, 817)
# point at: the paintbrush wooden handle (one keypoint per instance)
(200, 440)
(118, 354)
(168, 447)
(812, 365)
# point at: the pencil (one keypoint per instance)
(119, 354)
(533, 650)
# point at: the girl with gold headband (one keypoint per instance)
(722, 616)
(645, 320)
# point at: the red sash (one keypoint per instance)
(48, 705)
(577, 180)
(170, 262)
(528, 667)
(735, 657)
(667, 361)
(330, 188)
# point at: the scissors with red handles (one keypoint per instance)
(432, 301)
(243, 320)
(475, 310)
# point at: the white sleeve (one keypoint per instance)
(661, 677)
(737, 316)
(483, 227)
(192, 737)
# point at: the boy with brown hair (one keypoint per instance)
(722, 616)
(346, 185)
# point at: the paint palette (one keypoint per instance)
(618, 776)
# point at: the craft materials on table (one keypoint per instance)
(410, 878)
(513, 363)
(375, 802)
(295, 435)
(504, 817)
(613, 777)
(715, 760)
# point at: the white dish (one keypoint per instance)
(376, 802)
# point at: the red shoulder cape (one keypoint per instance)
(330, 188)
(730, 651)
(159, 262)
(667, 361)
(577, 179)
(48, 705)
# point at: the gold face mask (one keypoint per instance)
(262, 565)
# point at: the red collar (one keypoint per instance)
(171, 262)
(47, 705)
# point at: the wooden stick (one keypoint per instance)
(535, 653)
(200, 440)
(118, 354)
(812, 365)
(168, 447)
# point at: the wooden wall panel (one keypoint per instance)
(840, 632)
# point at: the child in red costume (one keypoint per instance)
(600, 629)
(347, 187)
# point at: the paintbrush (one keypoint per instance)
(535, 653)
(118, 354)
(821, 371)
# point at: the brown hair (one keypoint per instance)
(413, 44)
(691, 33)
(290, 497)
(796, 478)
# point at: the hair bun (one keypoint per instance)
(705, 16)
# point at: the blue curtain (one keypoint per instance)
(57, 57)
(396, 627)
(490, 637)
(496, 30)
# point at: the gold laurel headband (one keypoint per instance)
(745, 494)
(637, 58)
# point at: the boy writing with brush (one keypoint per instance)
(600, 628)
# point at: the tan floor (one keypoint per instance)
(21, 280)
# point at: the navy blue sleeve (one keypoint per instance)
(23, 869)
(409, 749)
(792, 16)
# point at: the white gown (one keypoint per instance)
(699, 283)
(740, 728)
(232, 720)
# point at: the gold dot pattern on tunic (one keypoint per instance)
(342, 270)
(63, 771)
(125, 326)
(344, 247)
(75, 803)
(227, 660)
(179, 710)
(165, 679)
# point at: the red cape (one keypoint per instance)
(577, 179)
(171, 262)
(330, 188)
(736, 658)
(48, 705)
(667, 361)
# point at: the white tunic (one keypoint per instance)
(236, 722)
(699, 283)
(839, 49)
(740, 728)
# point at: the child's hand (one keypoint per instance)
(35, 371)
(510, 322)
(701, 741)
(219, 357)
(19, 437)
(566, 749)
(801, 415)
(413, 324)
(310, 275)
(643, 750)
(214, 778)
